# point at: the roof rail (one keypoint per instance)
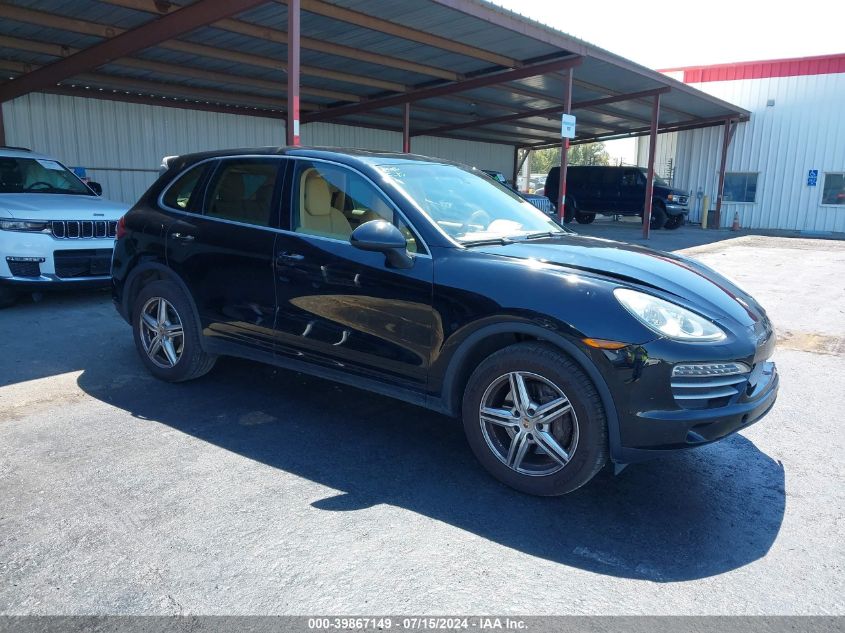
(20, 149)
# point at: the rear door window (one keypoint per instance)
(245, 190)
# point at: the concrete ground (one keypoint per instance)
(261, 491)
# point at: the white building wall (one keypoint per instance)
(121, 144)
(666, 150)
(804, 130)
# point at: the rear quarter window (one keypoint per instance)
(184, 193)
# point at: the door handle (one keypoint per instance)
(289, 258)
(182, 237)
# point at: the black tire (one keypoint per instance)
(192, 361)
(585, 218)
(658, 215)
(588, 454)
(7, 297)
(675, 221)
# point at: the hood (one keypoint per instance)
(57, 206)
(698, 286)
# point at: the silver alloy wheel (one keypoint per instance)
(161, 332)
(528, 423)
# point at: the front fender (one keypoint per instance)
(449, 401)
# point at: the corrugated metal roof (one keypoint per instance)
(425, 42)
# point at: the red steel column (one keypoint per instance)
(652, 150)
(406, 129)
(726, 141)
(564, 147)
(292, 136)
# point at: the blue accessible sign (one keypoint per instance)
(812, 177)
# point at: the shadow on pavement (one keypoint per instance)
(683, 517)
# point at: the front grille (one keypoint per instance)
(24, 269)
(705, 392)
(83, 229)
(95, 262)
(541, 202)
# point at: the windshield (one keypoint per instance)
(38, 175)
(468, 206)
(657, 179)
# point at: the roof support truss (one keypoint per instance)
(547, 111)
(447, 89)
(172, 25)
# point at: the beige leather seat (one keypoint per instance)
(317, 214)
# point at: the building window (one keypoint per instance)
(834, 189)
(740, 187)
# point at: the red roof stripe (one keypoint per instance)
(822, 65)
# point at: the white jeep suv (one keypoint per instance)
(55, 231)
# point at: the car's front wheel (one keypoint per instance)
(585, 218)
(7, 297)
(675, 221)
(535, 421)
(166, 333)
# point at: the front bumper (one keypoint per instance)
(654, 432)
(676, 209)
(38, 261)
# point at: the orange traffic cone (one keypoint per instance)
(735, 225)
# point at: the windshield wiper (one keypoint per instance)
(534, 236)
(502, 241)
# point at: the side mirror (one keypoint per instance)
(382, 237)
(95, 187)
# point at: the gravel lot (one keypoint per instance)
(261, 491)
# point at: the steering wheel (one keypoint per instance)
(47, 185)
(477, 217)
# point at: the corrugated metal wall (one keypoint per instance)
(664, 159)
(803, 130)
(122, 144)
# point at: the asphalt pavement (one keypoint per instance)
(256, 490)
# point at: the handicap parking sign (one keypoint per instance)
(812, 177)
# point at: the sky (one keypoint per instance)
(666, 34)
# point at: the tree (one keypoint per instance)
(585, 154)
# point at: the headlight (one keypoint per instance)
(666, 318)
(24, 225)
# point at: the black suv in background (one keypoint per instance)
(427, 281)
(617, 191)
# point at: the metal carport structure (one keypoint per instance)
(462, 69)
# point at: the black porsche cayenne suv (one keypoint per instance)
(429, 282)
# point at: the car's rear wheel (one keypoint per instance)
(675, 221)
(535, 421)
(7, 297)
(585, 218)
(166, 333)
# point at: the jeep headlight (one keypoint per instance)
(24, 225)
(667, 318)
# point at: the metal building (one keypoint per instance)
(786, 166)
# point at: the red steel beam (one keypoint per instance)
(292, 137)
(564, 149)
(547, 111)
(680, 126)
(723, 163)
(406, 130)
(418, 94)
(652, 147)
(149, 34)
